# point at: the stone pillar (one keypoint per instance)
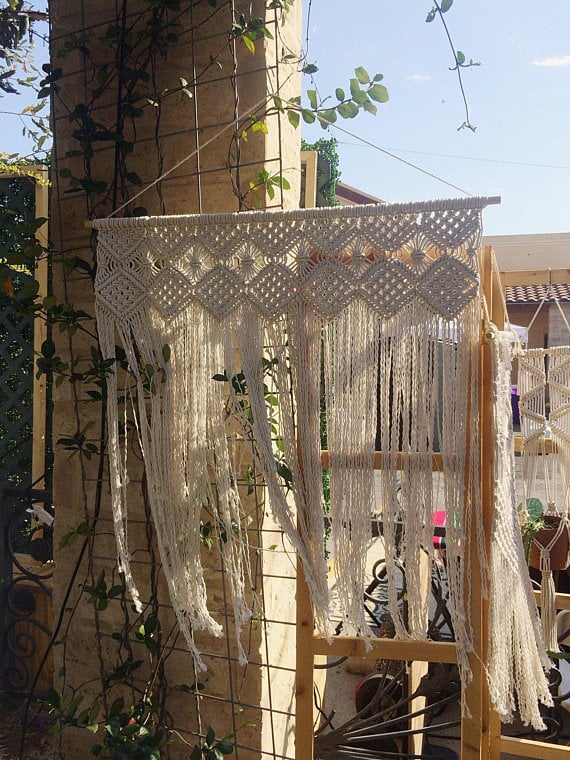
(192, 85)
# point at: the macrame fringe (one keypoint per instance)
(517, 656)
(385, 301)
(554, 465)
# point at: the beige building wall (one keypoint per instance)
(232, 82)
(529, 252)
(558, 325)
(536, 260)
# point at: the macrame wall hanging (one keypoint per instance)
(517, 657)
(545, 452)
(384, 302)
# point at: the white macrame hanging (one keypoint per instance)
(541, 371)
(517, 657)
(384, 300)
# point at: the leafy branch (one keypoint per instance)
(439, 10)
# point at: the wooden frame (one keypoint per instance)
(40, 334)
(39, 175)
(481, 737)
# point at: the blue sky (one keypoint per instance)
(519, 99)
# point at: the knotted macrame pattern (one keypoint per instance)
(382, 303)
(542, 371)
(517, 657)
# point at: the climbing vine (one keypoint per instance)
(127, 709)
(326, 182)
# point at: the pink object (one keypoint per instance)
(438, 521)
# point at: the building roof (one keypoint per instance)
(350, 196)
(521, 294)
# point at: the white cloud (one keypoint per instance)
(554, 61)
(419, 78)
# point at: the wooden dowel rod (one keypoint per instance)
(561, 601)
(548, 444)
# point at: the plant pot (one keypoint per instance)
(559, 552)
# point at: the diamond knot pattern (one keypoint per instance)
(275, 238)
(272, 289)
(451, 229)
(120, 246)
(389, 233)
(448, 286)
(389, 286)
(222, 240)
(220, 290)
(330, 236)
(328, 288)
(121, 293)
(171, 292)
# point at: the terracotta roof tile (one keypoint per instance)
(522, 294)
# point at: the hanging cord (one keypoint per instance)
(391, 155)
(550, 473)
(517, 347)
(550, 293)
(204, 145)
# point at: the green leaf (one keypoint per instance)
(294, 118)
(445, 5)
(379, 93)
(362, 75)
(151, 625)
(48, 349)
(370, 108)
(340, 94)
(328, 116)
(344, 110)
(312, 95)
(355, 88)
(360, 98)
(54, 698)
(308, 116)
(533, 508)
(460, 57)
(134, 178)
(431, 15)
(310, 68)
(248, 43)
(210, 735)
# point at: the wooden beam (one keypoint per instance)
(562, 601)
(437, 461)
(528, 748)
(547, 443)
(387, 649)
(40, 334)
(304, 671)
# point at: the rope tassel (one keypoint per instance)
(548, 602)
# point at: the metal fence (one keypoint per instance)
(26, 569)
